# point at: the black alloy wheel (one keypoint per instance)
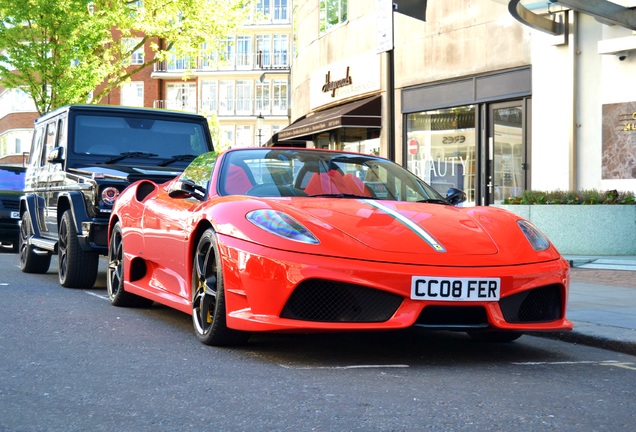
(76, 268)
(115, 274)
(208, 296)
(30, 262)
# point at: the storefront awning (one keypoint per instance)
(365, 113)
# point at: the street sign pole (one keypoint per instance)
(385, 45)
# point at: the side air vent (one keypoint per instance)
(144, 189)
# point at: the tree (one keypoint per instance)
(63, 51)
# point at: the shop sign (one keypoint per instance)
(345, 80)
(331, 86)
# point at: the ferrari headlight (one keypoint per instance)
(538, 241)
(281, 225)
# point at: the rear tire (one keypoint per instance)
(208, 296)
(76, 268)
(115, 274)
(30, 262)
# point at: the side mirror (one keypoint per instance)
(56, 155)
(187, 189)
(455, 196)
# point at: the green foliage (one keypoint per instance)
(63, 51)
(583, 197)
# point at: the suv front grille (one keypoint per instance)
(10, 204)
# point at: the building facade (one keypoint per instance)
(243, 90)
(245, 87)
(472, 97)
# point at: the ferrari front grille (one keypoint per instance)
(533, 306)
(329, 301)
(452, 317)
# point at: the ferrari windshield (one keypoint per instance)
(267, 172)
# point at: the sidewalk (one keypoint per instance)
(602, 303)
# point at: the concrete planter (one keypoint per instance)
(584, 229)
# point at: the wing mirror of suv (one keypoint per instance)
(56, 155)
(455, 196)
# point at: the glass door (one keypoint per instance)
(506, 153)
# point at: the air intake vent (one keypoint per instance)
(328, 301)
(533, 306)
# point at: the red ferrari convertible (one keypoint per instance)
(268, 239)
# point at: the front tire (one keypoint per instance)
(76, 268)
(208, 296)
(115, 274)
(30, 262)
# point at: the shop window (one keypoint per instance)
(441, 148)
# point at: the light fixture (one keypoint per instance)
(259, 127)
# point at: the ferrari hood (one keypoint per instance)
(404, 227)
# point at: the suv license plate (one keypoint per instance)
(455, 289)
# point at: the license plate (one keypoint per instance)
(15, 215)
(455, 289)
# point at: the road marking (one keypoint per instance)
(562, 362)
(622, 365)
(614, 363)
(344, 367)
(103, 297)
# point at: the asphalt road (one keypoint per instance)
(72, 362)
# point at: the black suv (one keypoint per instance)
(11, 187)
(82, 157)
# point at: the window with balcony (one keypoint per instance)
(279, 97)
(332, 13)
(226, 97)
(132, 94)
(261, 97)
(263, 50)
(272, 10)
(181, 96)
(209, 96)
(280, 50)
(243, 51)
(228, 52)
(279, 10)
(243, 97)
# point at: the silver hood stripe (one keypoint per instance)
(409, 223)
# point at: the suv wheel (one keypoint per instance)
(76, 268)
(30, 262)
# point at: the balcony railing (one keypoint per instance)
(232, 107)
(277, 60)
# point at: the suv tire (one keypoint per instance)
(76, 268)
(30, 262)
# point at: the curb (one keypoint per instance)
(575, 337)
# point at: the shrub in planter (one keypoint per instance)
(582, 197)
(586, 222)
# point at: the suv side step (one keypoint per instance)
(44, 246)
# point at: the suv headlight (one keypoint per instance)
(109, 195)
